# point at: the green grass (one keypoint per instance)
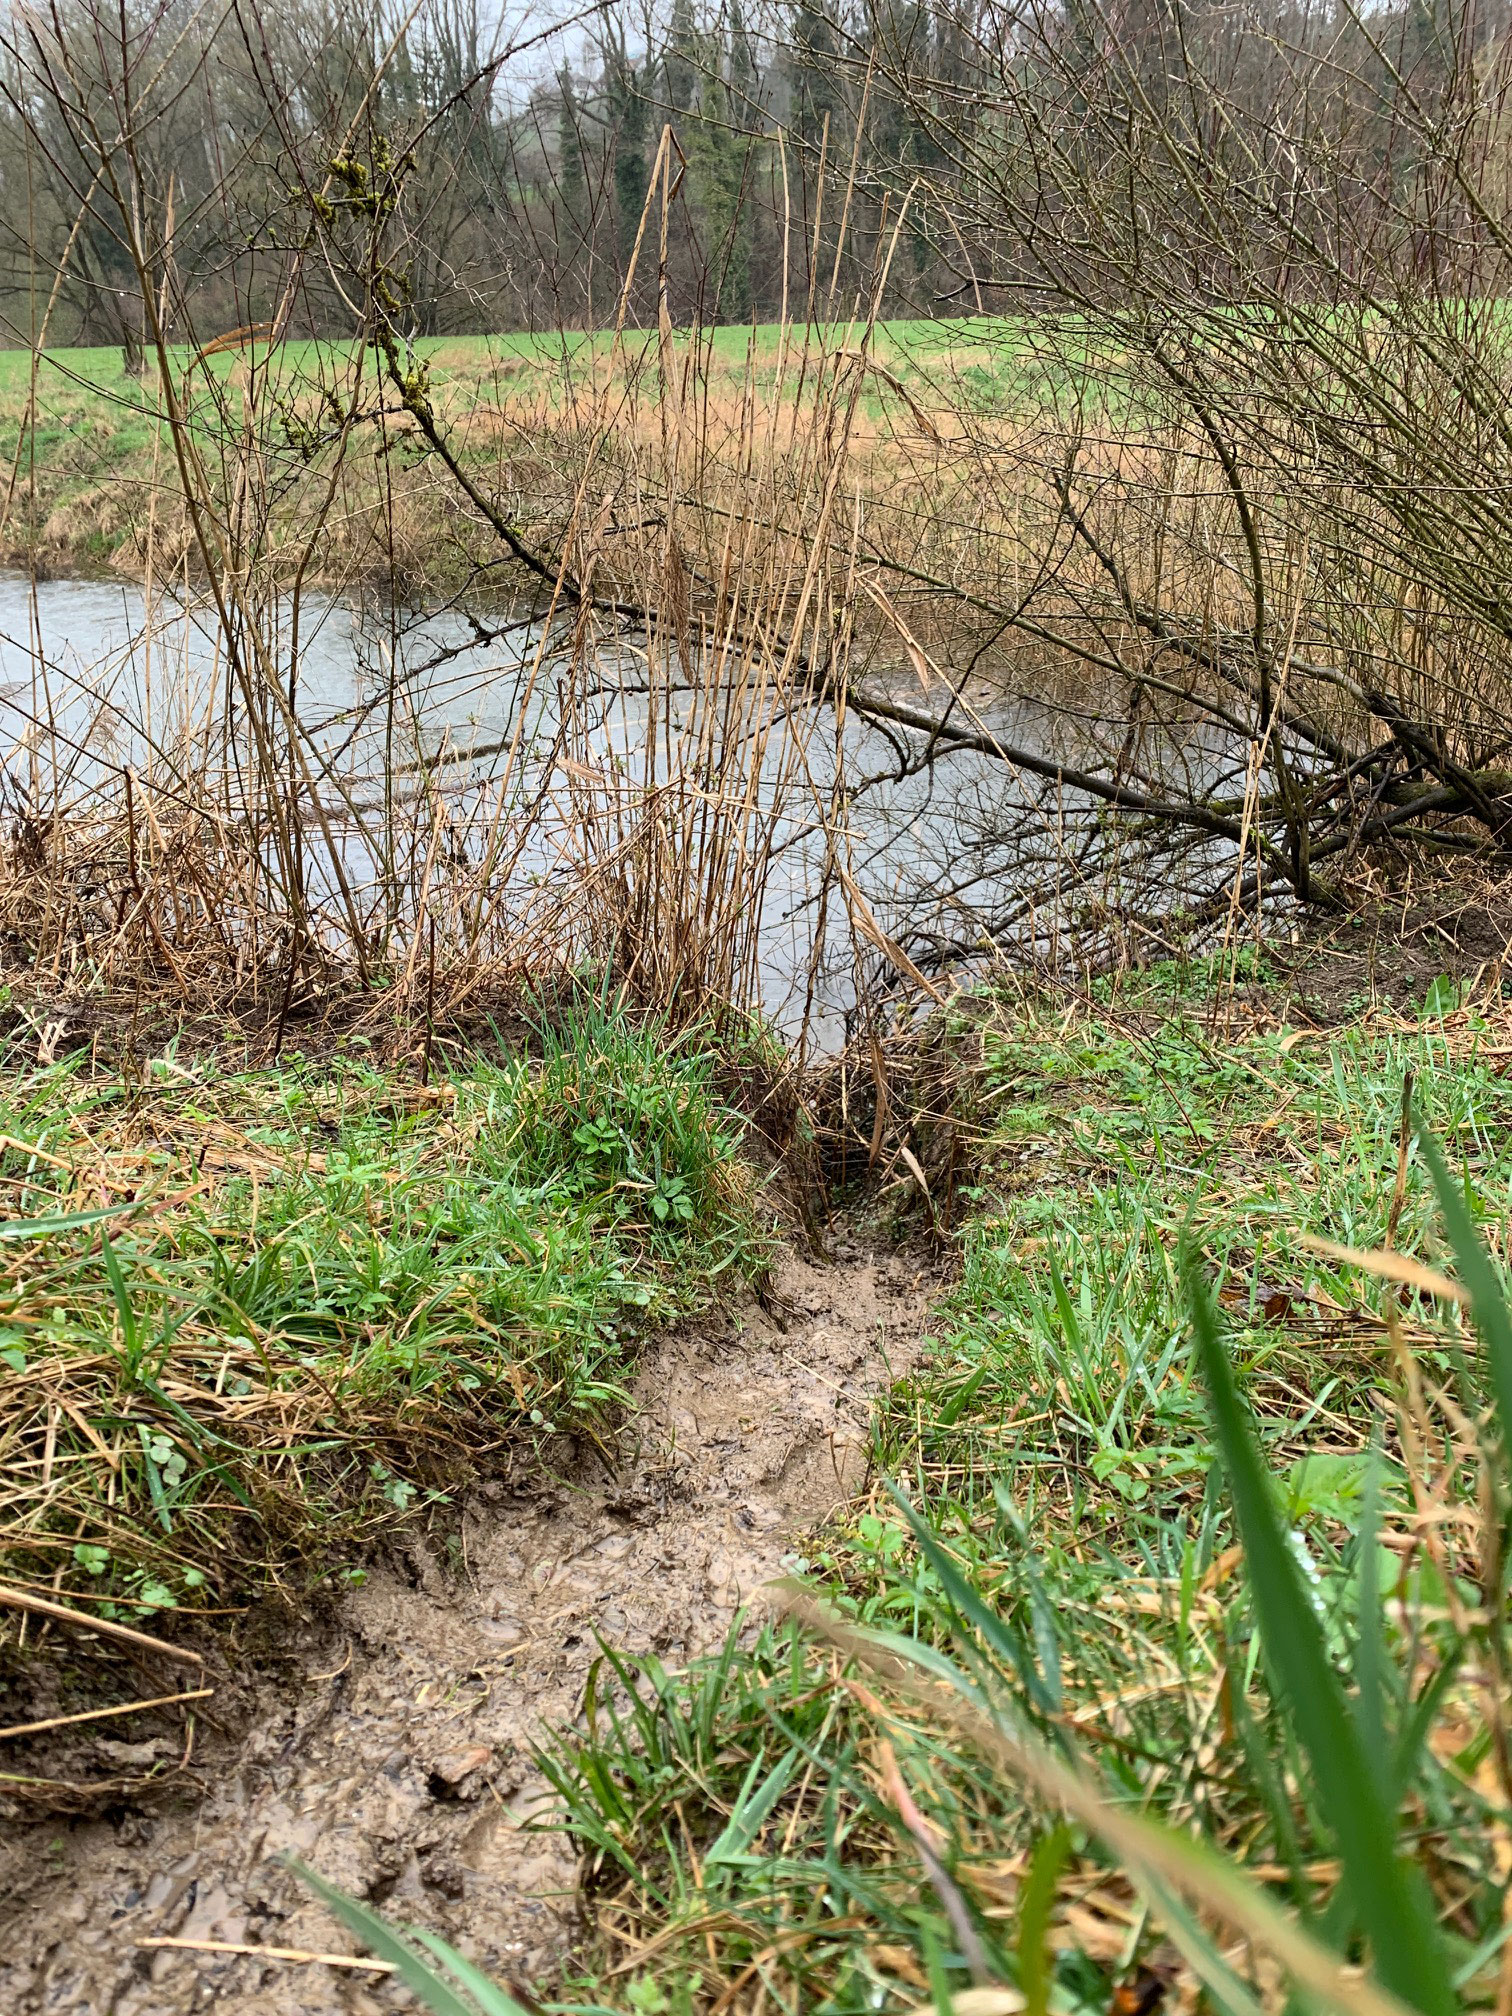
(81, 391)
(103, 366)
(1053, 1552)
(318, 1297)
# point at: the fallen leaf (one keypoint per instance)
(447, 1772)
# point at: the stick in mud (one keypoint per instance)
(17, 1599)
(101, 1714)
(294, 1953)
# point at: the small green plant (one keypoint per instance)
(623, 1115)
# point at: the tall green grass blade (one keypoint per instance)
(751, 1810)
(385, 1943)
(934, 1967)
(69, 1221)
(1487, 1303)
(154, 1481)
(1413, 1735)
(1483, 1955)
(1035, 1963)
(491, 1999)
(1370, 1646)
(1389, 1906)
(1063, 1304)
(1002, 1638)
(121, 1296)
(964, 1394)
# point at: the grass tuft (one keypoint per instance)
(249, 1320)
(1168, 1556)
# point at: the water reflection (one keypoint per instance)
(399, 708)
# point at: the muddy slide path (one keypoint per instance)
(391, 1749)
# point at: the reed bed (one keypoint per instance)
(245, 858)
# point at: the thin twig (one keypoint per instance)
(40, 1607)
(294, 1953)
(100, 1714)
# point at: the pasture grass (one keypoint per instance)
(249, 1319)
(87, 465)
(104, 365)
(1051, 1551)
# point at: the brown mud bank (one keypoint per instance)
(392, 1749)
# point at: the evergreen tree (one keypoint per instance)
(626, 104)
(680, 60)
(812, 62)
(718, 153)
(572, 175)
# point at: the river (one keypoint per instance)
(943, 855)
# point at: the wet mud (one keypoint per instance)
(392, 1749)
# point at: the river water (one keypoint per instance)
(944, 854)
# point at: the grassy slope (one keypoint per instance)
(1056, 1443)
(95, 459)
(325, 1294)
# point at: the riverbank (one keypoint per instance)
(1048, 1512)
(981, 1424)
(254, 1320)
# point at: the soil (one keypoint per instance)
(391, 1749)
(1392, 947)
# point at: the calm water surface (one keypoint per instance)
(939, 854)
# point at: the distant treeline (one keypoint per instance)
(517, 179)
